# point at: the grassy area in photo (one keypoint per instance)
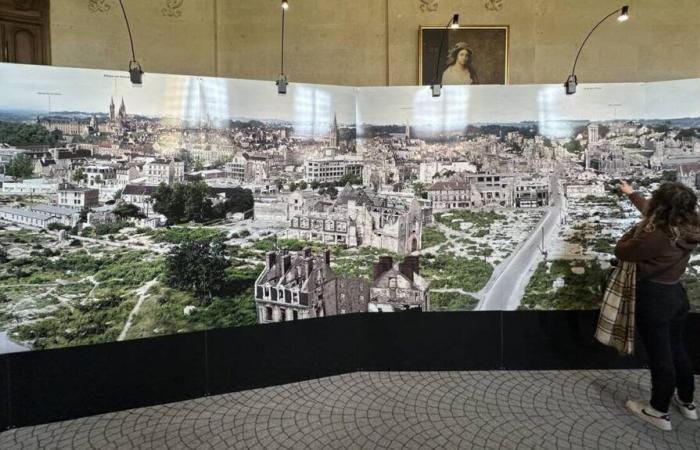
(86, 322)
(446, 270)
(452, 301)
(580, 288)
(81, 297)
(431, 237)
(178, 235)
(478, 219)
(168, 311)
(359, 262)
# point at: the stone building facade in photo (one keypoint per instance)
(359, 218)
(398, 287)
(301, 285)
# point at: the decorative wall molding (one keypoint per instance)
(493, 5)
(172, 8)
(99, 6)
(429, 5)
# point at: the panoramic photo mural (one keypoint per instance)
(194, 203)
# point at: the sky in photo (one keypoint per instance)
(311, 108)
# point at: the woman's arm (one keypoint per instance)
(636, 198)
(639, 201)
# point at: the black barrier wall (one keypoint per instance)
(51, 385)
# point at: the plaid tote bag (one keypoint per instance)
(616, 320)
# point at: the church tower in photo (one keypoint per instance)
(122, 110)
(112, 115)
(335, 133)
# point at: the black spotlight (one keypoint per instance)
(282, 84)
(135, 73)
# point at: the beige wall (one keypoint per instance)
(184, 45)
(375, 42)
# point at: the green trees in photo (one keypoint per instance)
(21, 166)
(79, 175)
(198, 267)
(28, 134)
(420, 190)
(124, 210)
(181, 203)
(350, 178)
(573, 146)
(198, 207)
(331, 191)
(238, 200)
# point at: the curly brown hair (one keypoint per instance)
(673, 207)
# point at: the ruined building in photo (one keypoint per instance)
(476, 190)
(301, 285)
(398, 287)
(361, 218)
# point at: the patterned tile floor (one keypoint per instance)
(484, 410)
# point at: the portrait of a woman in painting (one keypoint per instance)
(463, 56)
(459, 66)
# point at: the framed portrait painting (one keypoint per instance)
(470, 55)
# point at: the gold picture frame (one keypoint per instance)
(488, 48)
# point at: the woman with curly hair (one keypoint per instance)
(459, 66)
(661, 244)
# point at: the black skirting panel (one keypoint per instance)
(51, 385)
(4, 392)
(265, 355)
(540, 340)
(431, 341)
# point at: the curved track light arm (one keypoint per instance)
(128, 28)
(573, 69)
(282, 58)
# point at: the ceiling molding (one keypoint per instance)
(99, 6)
(172, 8)
(493, 5)
(429, 5)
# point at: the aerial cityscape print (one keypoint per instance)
(194, 203)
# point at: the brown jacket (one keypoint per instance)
(655, 252)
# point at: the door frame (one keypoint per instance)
(40, 15)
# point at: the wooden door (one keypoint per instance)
(4, 48)
(24, 35)
(23, 43)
